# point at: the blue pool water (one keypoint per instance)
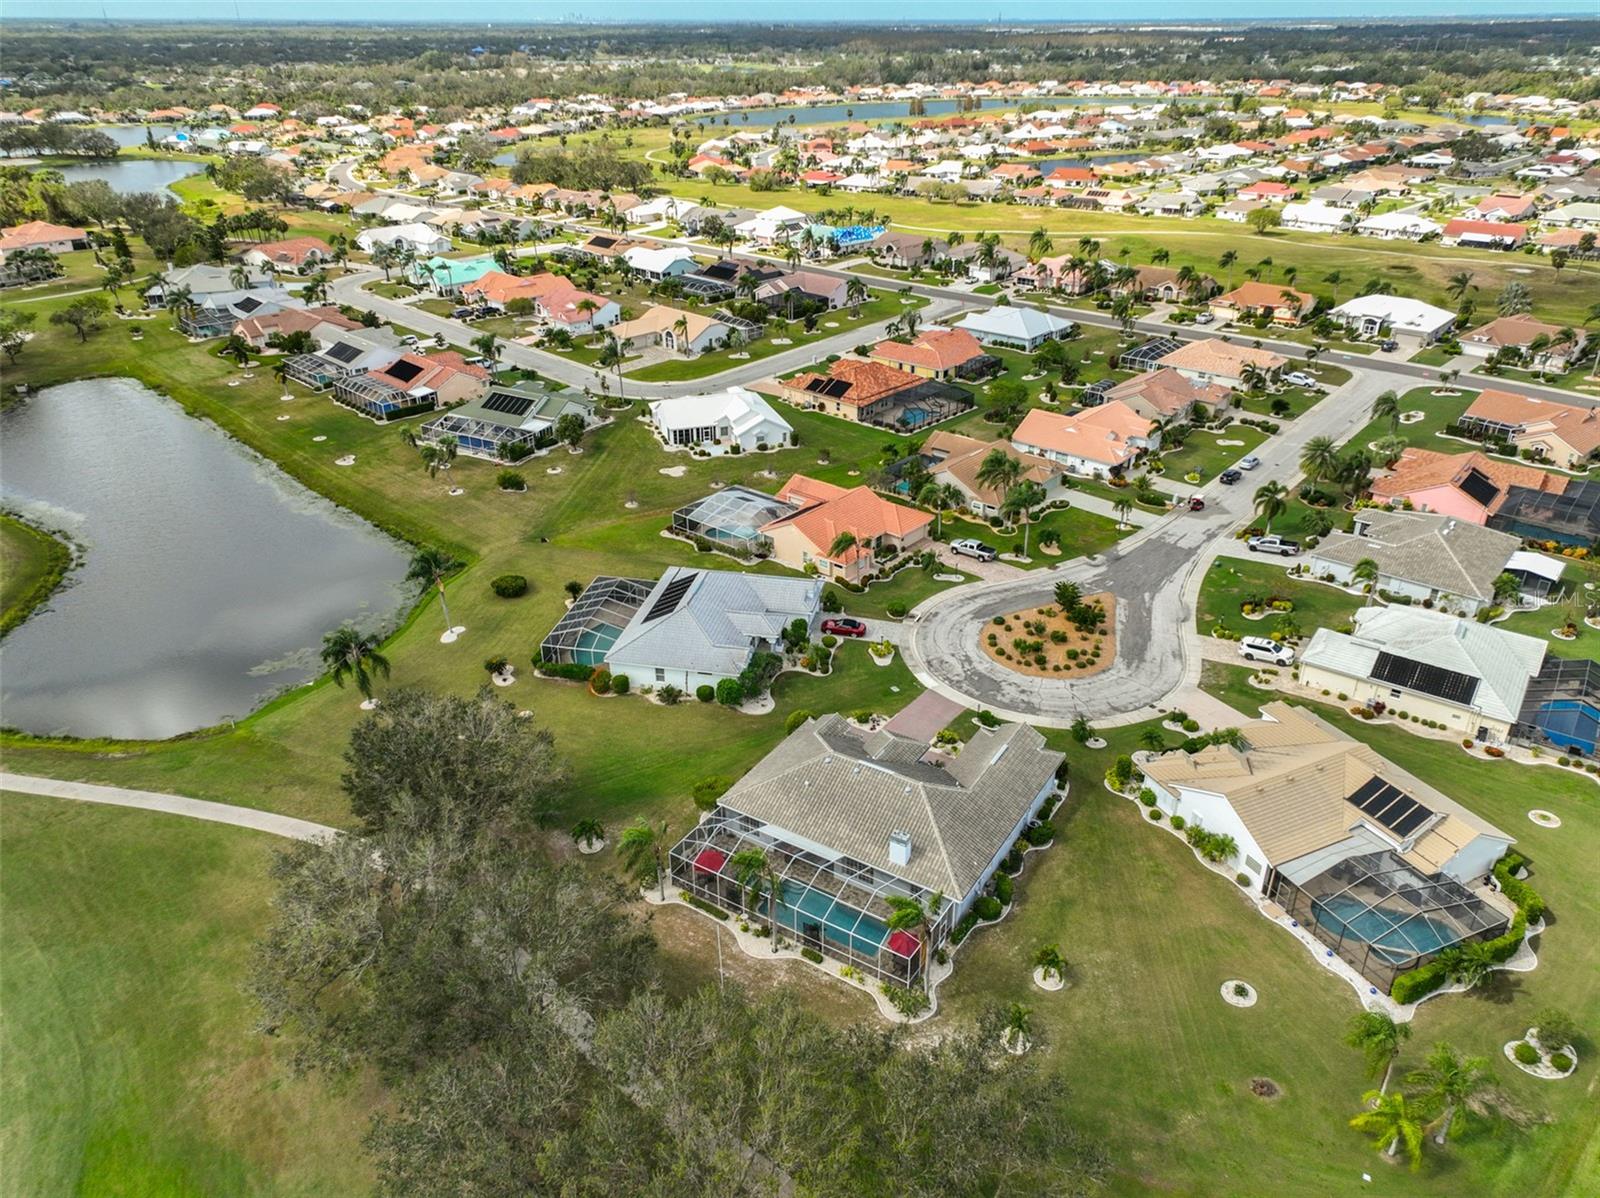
(914, 417)
(1392, 934)
(593, 645)
(1570, 722)
(840, 923)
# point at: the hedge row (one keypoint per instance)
(1425, 979)
(701, 904)
(565, 669)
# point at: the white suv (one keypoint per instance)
(1260, 648)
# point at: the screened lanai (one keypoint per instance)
(827, 901)
(732, 518)
(592, 624)
(1385, 916)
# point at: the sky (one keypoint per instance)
(520, 12)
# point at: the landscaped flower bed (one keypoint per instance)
(1052, 641)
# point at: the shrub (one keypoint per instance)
(600, 682)
(796, 718)
(1191, 725)
(730, 692)
(705, 692)
(1155, 815)
(897, 609)
(1526, 1053)
(1147, 796)
(812, 955)
(1179, 822)
(1004, 887)
(1560, 1062)
(497, 665)
(700, 904)
(1040, 834)
(961, 930)
(619, 684)
(670, 695)
(571, 670)
(511, 480)
(909, 1002)
(509, 586)
(1554, 1028)
(829, 641)
(988, 718)
(1242, 878)
(1526, 898)
(988, 907)
(707, 791)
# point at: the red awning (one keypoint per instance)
(903, 944)
(710, 861)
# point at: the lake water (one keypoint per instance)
(130, 175)
(209, 579)
(133, 135)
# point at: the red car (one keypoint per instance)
(844, 626)
(1196, 504)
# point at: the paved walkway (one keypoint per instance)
(927, 714)
(146, 800)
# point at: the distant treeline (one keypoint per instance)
(51, 138)
(462, 67)
(590, 168)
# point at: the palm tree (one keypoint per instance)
(749, 867)
(429, 567)
(1380, 1038)
(1471, 964)
(842, 544)
(1123, 506)
(353, 654)
(1459, 284)
(587, 831)
(1019, 503)
(932, 495)
(383, 257)
(1271, 501)
(1390, 1120)
(641, 846)
(1161, 256)
(1319, 458)
(1049, 962)
(680, 332)
(1152, 740)
(1387, 407)
(999, 471)
(1449, 1081)
(1039, 245)
(1333, 278)
(911, 915)
(1018, 1024)
(488, 345)
(239, 276)
(1226, 261)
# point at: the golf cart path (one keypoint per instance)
(147, 800)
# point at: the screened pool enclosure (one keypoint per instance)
(732, 519)
(826, 901)
(594, 622)
(1384, 916)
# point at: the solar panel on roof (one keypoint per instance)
(508, 402)
(403, 371)
(1366, 791)
(1478, 486)
(1411, 821)
(602, 243)
(247, 305)
(1390, 807)
(668, 601)
(1402, 806)
(832, 388)
(344, 352)
(1449, 685)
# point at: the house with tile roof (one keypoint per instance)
(853, 389)
(1469, 486)
(955, 459)
(1566, 435)
(1099, 442)
(1557, 352)
(880, 530)
(674, 329)
(411, 383)
(934, 353)
(1484, 234)
(1167, 396)
(1384, 869)
(42, 235)
(1467, 676)
(259, 330)
(1422, 556)
(1213, 360)
(850, 819)
(1280, 304)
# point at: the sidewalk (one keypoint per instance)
(146, 800)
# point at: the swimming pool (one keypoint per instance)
(915, 417)
(594, 643)
(1396, 936)
(840, 923)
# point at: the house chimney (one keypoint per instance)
(899, 848)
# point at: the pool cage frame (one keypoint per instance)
(608, 600)
(1385, 884)
(704, 519)
(1562, 685)
(855, 890)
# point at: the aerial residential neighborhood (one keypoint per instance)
(658, 601)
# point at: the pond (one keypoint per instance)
(130, 175)
(134, 135)
(209, 575)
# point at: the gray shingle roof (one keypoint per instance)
(829, 784)
(1446, 554)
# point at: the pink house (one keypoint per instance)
(1468, 486)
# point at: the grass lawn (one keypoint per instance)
(1232, 581)
(1438, 413)
(1300, 399)
(132, 1063)
(1541, 621)
(32, 564)
(1082, 533)
(880, 307)
(909, 587)
(1203, 452)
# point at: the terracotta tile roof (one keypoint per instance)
(1266, 295)
(1168, 392)
(828, 510)
(293, 320)
(1425, 469)
(933, 349)
(964, 457)
(1491, 228)
(1578, 426)
(293, 251)
(1518, 330)
(38, 232)
(1098, 435)
(867, 381)
(1214, 356)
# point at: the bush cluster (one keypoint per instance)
(907, 1001)
(571, 670)
(1425, 979)
(701, 905)
(509, 586)
(988, 907)
(812, 955)
(1526, 1053)
(1004, 888)
(1041, 833)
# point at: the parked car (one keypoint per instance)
(1229, 476)
(1204, 318)
(1279, 545)
(1196, 504)
(1259, 648)
(844, 626)
(461, 313)
(1300, 378)
(1249, 462)
(409, 339)
(1389, 346)
(974, 549)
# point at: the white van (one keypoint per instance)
(1260, 648)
